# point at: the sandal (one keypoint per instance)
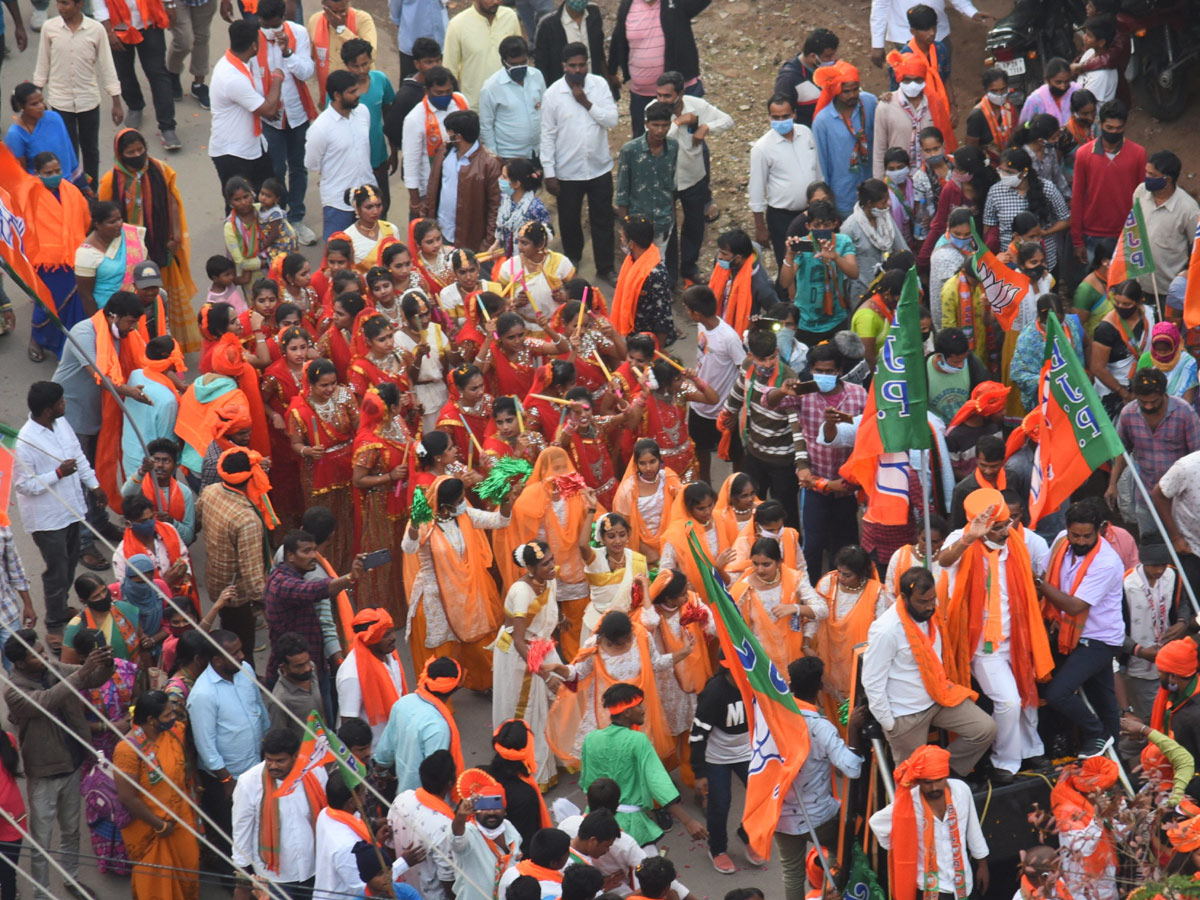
(712, 212)
(94, 561)
(35, 353)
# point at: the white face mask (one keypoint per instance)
(997, 99)
(461, 509)
(897, 176)
(490, 833)
(1010, 181)
(912, 89)
(777, 535)
(992, 545)
(881, 213)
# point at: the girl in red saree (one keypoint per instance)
(507, 435)
(591, 336)
(509, 359)
(216, 319)
(467, 415)
(661, 409)
(374, 359)
(322, 422)
(587, 438)
(280, 386)
(431, 258)
(383, 453)
(551, 380)
(335, 344)
(293, 274)
(381, 285)
(339, 255)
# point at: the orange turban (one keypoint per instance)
(1178, 658)
(227, 356)
(830, 80)
(927, 763)
(907, 65)
(980, 499)
(1185, 836)
(379, 622)
(528, 756)
(231, 416)
(442, 684)
(1097, 773)
(256, 481)
(1156, 766)
(988, 399)
(1029, 429)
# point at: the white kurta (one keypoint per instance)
(349, 692)
(413, 823)
(297, 839)
(336, 868)
(431, 389)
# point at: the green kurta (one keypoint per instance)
(628, 758)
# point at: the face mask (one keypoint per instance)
(950, 367)
(996, 99)
(517, 73)
(822, 234)
(1152, 184)
(490, 833)
(783, 340)
(1036, 273)
(101, 606)
(575, 78)
(992, 545)
(1056, 91)
(912, 89)
(134, 162)
(962, 243)
(441, 102)
(897, 176)
(825, 382)
(179, 631)
(1112, 140)
(936, 160)
(1127, 312)
(301, 676)
(505, 186)
(764, 371)
(461, 509)
(881, 213)
(960, 177)
(52, 181)
(783, 126)
(143, 529)
(726, 264)
(163, 727)
(1010, 181)
(772, 534)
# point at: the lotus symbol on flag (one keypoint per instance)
(1001, 294)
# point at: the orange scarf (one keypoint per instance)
(155, 369)
(355, 824)
(244, 69)
(468, 592)
(432, 801)
(626, 503)
(306, 100)
(433, 128)
(153, 16)
(736, 309)
(977, 585)
(694, 670)
(455, 742)
(936, 96)
(528, 756)
(269, 820)
(1070, 628)
(632, 276)
(375, 683)
(1000, 484)
(904, 562)
(258, 486)
(1000, 128)
(176, 507)
(113, 363)
(541, 873)
(945, 688)
(778, 640)
(788, 542)
(227, 360)
(320, 41)
(836, 637)
(928, 762)
(56, 226)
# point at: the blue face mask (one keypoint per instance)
(962, 243)
(505, 186)
(825, 382)
(1152, 184)
(784, 338)
(143, 530)
(441, 102)
(783, 126)
(51, 181)
(517, 73)
(725, 263)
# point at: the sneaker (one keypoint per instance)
(1096, 747)
(171, 140)
(176, 85)
(304, 234)
(133, 119)
(200, 92)
(38, 19)
(753, 858)
(723, 864)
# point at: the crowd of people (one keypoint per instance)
(439, 459)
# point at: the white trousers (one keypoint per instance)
(1016, 726)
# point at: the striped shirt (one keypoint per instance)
(647, 46)
(12, 580)
(771, 435)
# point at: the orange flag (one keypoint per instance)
(13, 250)
(1191, 299)
(1003, 287)
(882, 476)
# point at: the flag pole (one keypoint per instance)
(926, 477)
(1163, 531)
(812, 834)
(1158, 303)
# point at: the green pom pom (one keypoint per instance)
(844, 713)
(495, 487)
(421, 513)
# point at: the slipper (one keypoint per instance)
(712, 212)
(35, 353)
(94, 561)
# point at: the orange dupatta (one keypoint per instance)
(737, 310)
(375, 683)
(788, 542)
(728, 527)
(227, 360)
(320, 42)
(632, 276)
(56, 226)
(677, 536)
(836, 637)
(935, 91)
(533, 510)
(355, 824)
(269, 821)
(1070, 628)
(945, 685)
(781, 644)
(115, 365)
(455, 741)
(694, 670)
(625, 502)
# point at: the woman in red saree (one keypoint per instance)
(509, 359)
(216, 319)
(590, 337)
(335, 344)
(374, 360)
(338, 255)
(431, 257)
(467, 415)
(507, 435)
(383, 456)
(322, 423)
(660, 412)
(551, 380)
(293, 274)
(588, 439)
(280, 386)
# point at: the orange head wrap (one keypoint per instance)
(830, 80)
(906, 65)
(379, 622)
(665, 577)
(232, 416)
(256, 481)
(979, 500)
(988, 399)
(526, 754)
(1178, 658)
(1096, 773)
(174, 361)
(442, 684)
(227, 356)
(928, 763)
(1029, 429)
(1185, 836)
(617, 708)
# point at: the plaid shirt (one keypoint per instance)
(823, 460)
(1156, 450)
(290, 603)
(1004, 203)
(12, 579)
(234, 542)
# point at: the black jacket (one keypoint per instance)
(550, 38)
(679, 54)
(791, 75)
(719, 706)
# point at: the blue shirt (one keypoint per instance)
(414, 729)
(418, 18)
(811, 285)
(228, 720)
(404, 891)
(154, 421)
(835, 146)
(448, 198)
(50, 133)
(510, 114)
(378, 95)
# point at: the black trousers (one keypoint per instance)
(683, 249)
(219, 808)
(599, 194)
(779, 481)
(256, 171)
(84, 130)
(778, 221)
(152, 54)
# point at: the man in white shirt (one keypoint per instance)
(693, 121)
(287, 48)
(720, 354)
(289, 862)
(1084, 577)
(239, 103)
(484, 845)
(1177, 499)
(577, 112)
(49, 459)
(889, 23)
(783, 163)
(339, 828)
(424, 820)
(421, 139)
(374, 637)
(150, 19)
(338, 146)
(900, 690)
(1152, 590)
(924, 788)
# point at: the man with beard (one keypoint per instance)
(907, 686)
(1083, 582)
(484, 845)
(1173, 715)
(931, 809)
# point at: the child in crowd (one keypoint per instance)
(221, 271)
(1098, 34)
(277, 231)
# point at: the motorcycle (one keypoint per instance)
(1035, 31)
(1165, 43)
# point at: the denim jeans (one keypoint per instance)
(1087, 670)
(334, 220)
(720, 798)
(286, 148)
(11, 850)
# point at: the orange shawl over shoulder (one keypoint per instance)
(534, 510)
(836, 637)
(946, 684)
(676, 535)
(694, 670)
(723, 514)
(115, 364)
(737, 310)
(788, 543)
(781, 644)
(625, 502)
(56, 225)
(632, 276)
(227, 360)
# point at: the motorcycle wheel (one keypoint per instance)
(1165, 102)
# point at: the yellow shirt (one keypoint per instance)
(472, 48)
(364, 27)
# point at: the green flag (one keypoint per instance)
(1135, 245)
(861, 882)
(319, 748)
(901, 388)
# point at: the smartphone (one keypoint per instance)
(488, 802)
(805, 246)
(377, 558)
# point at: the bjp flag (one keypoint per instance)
(1133, 258)
(1003, 287)
(1191, 299)
(13, 233)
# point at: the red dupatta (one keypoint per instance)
(392, 452)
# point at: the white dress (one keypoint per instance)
(607, 594)
(679, 706)
(536, 287)
(431, 389)
(518, 693)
